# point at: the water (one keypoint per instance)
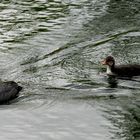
(53, 48)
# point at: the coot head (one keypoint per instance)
(108, 61)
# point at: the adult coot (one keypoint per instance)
(9, 91)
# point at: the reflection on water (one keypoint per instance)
(125, 118)
(53, 49)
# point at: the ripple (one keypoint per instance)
(53, 49)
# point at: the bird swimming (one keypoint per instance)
(9, 91)
(129, 70)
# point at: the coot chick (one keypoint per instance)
(9, 91)
(120, 70)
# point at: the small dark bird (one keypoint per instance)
(120, 70)
(9, 91)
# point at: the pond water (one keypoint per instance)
(53, 48)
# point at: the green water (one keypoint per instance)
(53, 48)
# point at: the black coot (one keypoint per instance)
(9, 91)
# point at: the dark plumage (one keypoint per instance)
(120, 70)
(9, 91)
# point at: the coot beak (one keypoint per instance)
(103, 62)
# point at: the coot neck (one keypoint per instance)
(110, 69)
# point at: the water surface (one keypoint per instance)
(53, 49)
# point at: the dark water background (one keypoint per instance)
(53, 49)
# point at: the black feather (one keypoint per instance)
(9, 91)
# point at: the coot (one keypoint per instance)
(9, 91)
(120, 70)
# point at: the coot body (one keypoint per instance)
(120, 70)
(9, 91)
